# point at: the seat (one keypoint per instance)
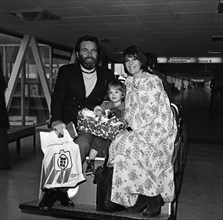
(179, 155)
(86, 194)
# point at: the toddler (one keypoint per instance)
(114, 107)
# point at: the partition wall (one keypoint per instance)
(30, 69)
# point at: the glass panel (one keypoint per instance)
(28, 105)
(119, 71)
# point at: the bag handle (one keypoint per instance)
(106, 160)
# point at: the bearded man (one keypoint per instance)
(79, 85)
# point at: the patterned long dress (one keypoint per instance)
(142, 158)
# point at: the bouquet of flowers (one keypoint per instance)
(106, 126)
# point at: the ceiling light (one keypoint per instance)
(220, 6)
(217, 38)
(215, 51)
(36, 15)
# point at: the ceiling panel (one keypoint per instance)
(72, 12)
(150, 9)
(53, 4)
(143, 2)
(167, 27)
(148, 18)
(194, 6)
(128, 19)
(108, 10)
(205, 16)
(11, 5)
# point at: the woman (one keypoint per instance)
(141, 155)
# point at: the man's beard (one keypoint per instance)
(88, 62)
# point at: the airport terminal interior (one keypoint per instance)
(202, 189)
(37, 37)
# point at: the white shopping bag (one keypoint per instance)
(61, 166)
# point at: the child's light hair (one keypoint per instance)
(117, 84)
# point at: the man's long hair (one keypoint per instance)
(87, 38)
(152, 61)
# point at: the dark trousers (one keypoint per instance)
(101, 145)
(84, 140)
(4, 149)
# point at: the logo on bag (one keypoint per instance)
(63, 160)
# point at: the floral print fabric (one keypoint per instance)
(142, 158)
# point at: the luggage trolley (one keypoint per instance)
(84, 197)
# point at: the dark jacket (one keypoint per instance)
(69, 92)
(4, 121)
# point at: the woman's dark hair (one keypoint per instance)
(152, 61)
(117, 84)
(137, 53)
(87, 38)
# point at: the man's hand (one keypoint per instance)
(58, 126)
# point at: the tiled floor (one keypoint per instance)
(201, 195)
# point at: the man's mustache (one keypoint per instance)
(92, 58)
